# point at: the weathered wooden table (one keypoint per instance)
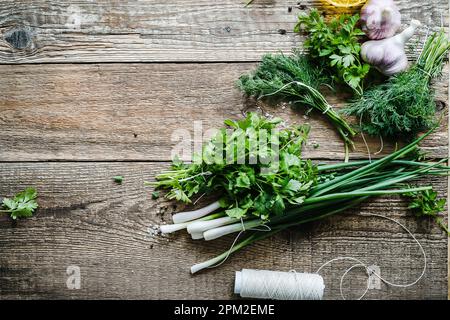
(95, 89)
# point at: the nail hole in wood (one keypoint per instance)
(440, 105)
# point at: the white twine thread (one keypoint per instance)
(328, 108)
(280, 89)
(381, 146)
(364, 140)
(309, 286)
(371, 272)
(266, 229)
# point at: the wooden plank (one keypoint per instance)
(137, 111)
(87, 220)
(154, 31)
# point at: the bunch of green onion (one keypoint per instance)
(339, 187)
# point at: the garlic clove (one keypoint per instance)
(400, 65)
(380, 19)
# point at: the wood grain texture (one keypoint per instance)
(70, 121)
(142, 111)
(154, 31)
(87, 220)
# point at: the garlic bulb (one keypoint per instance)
(388, 55)
(380, 19)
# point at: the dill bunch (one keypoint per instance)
(296, 79)
(405, 105)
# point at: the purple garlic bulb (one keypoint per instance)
(380, 19)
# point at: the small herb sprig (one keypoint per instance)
(336, 46)
(427, 204)
(22, 205)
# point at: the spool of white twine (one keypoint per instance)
(264, 284)
(276, 285)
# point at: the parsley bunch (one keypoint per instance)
(262, 178)
(22, 205)
(335, 45)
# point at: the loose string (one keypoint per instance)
(381, 146)
(364, 139)
(371, 272)
(328, 107)
(268, 229)
(279, 90)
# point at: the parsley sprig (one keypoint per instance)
(22, 205)
(427, 204)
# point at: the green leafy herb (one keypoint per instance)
(296, 79)
(405, 105)
(342, 186)
(335, 45)
(276, 178)
(426, 203)
(118, 179)
(22, 205)
(155, 195)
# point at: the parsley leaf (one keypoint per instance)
(22, 205)
(235, 213)
(118, 179)
(155, 195)
(427, 204)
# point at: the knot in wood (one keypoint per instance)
(18, 38)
